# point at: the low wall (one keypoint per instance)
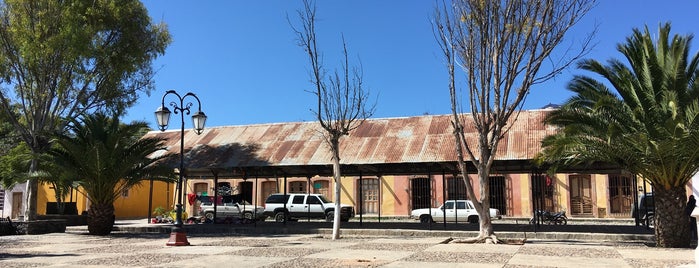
(71, 220)
(41, 226)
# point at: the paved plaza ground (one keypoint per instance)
(127, 249)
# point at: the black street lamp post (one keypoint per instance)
(178, 236)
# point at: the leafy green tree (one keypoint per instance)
(15, 158)
(60, 59)
(9, 141)
(14, 165)
(646, 123)
(105, 158)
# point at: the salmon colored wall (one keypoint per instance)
(437, 192)
(395, 195)
(517, 198)
(396, 199)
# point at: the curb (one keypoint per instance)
(557, 236)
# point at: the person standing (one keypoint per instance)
(691, 204)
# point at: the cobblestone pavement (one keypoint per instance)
(75, 249)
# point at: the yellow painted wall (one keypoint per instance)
(562, 192)
(133, 206)
(45, 194)
(347, 191)
(388, 195)
(600, 183)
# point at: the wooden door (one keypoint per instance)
(370, 196)
(621, 193)
(268, 188)
(298, 187)
(16, 205)
(322, 187)
(580, 195)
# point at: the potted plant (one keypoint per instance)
(159, 213)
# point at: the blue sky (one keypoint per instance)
(242, 61)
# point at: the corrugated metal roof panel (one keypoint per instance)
(420, 139)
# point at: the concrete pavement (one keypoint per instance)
(148, 250)
(307, 244)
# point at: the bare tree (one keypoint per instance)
(500, 46)
(343, 102)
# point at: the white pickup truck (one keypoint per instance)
(285, 207)
(464, 212)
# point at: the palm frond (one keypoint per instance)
(107, 157)
(647, 125)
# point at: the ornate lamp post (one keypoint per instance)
(178, 236)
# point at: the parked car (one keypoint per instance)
(233, 208)
(644, 211)
(285, 207)
(464, 212)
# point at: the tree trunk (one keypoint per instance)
(335, 144)
(32, 191)
(100, 219)
(485, 225)
(672, 228)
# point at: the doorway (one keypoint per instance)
(621, 193)
(369, 196)
(580, 195)
(498, 197)
(200, 189)
(420, 192)
(245, 190)
(268, 188)
(322, 187)
(16, 204)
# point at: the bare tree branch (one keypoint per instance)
(343, 101)
(500, 46)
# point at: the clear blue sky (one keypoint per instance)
(241, 57)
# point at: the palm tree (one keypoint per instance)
(106, 157)
(646, 123)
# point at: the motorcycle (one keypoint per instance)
(558, 218)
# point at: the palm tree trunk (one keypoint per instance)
(100, 219)
(669, 216)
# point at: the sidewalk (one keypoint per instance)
(618, 231)
(77, 249)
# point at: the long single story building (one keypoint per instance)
(391, 166)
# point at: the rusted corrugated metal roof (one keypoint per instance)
(419, 139)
